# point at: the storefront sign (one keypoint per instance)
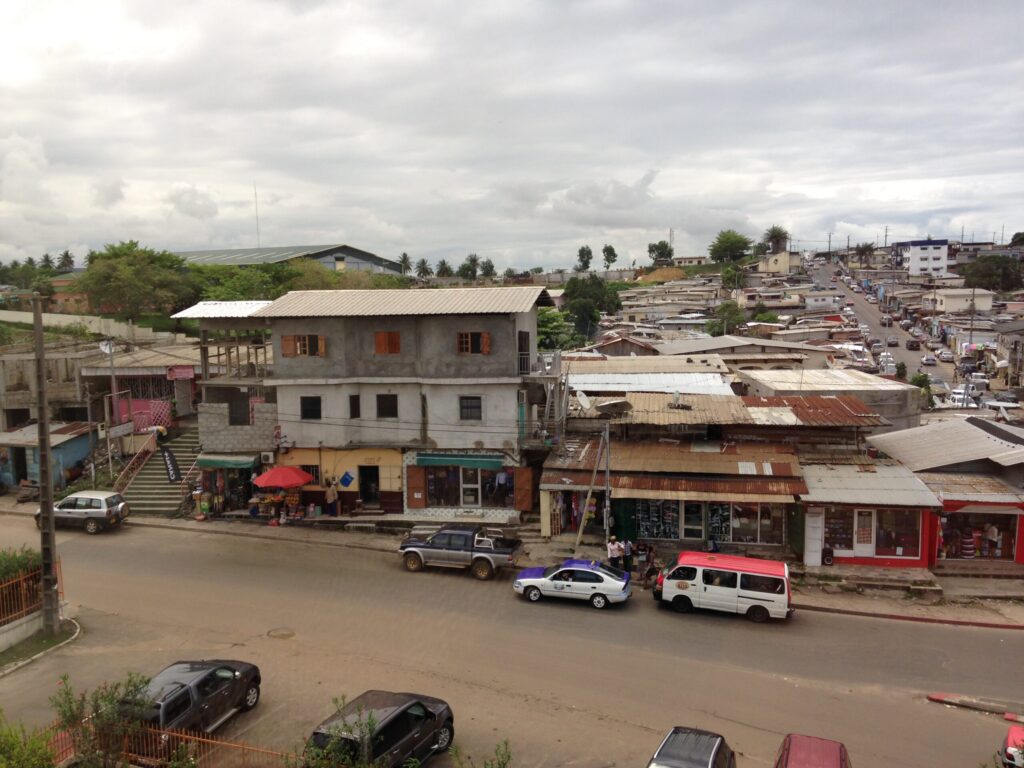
(181, 372)
(171, 465)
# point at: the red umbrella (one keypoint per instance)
(283, 477)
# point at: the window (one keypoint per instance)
(713, 578)
(353, 406)
(683, 573)
(897, 533)
(303, 346)
(769, 584)
(309, 408)
(471, 408)
(175, 708)
(389, 737)
(441, 540)
(387, 406)
(498, 487)
(314, 470)
(470, 487)
(210, 684)
(839, 529)
(387, 342)
(459, 541)
(239, 411)
(589, 577)
(415, 715)
(473, 343)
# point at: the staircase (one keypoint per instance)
(150, 493)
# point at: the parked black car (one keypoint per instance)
(201, 695)
(693, 748)
(387, 729)
(913, 344)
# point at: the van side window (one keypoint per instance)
(768, 584)
(684, 573)
(713, 578)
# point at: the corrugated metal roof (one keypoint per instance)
(815, 411)
(751, 489)
(718, 343)
(425, 301)
(147, 357)
(957, 486)
(244, 256)
(648, 364)
(943, 443)
(828, 380)
(60, 432)
(221, 309)
(883, 484)
(689, 383)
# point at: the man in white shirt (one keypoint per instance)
(615, 551)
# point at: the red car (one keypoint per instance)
(799, 751)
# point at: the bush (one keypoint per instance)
(15, 561)
(20, 748)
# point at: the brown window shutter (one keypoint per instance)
(524, 489)
(321, 346)
(289, 346)
(458, 343)
(416, 487)
(485, 343)
(380, 342)
(394, 342)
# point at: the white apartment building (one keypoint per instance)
(924, 257)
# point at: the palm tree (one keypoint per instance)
(776, 238)
(46, 263)
(405, 263)
(66, 263)
(472, 265)
(423, 268)
(444, 269)
(487, 269)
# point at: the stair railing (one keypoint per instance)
(136, 463)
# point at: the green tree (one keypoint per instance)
(31, 263)
(776, 238)
(922, 381)
(444, 269)
(469, 268)
(487, 269)
(584, 314)
(726, 317)
(864, 252)
(537, 270)
(901, 371)
(20, 748)
(993, 273)
(555, 330)
(66, 262)
(1017, 241)
(733, 276)
(242, 284)
(609, 255)
(661, 253)
(405, 263)
(594, 289)
(43, 287)
(131, 280)
(47, 265)
(729, 245)
(583, 258)
(423, 268)
(509, 273)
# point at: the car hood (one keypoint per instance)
(531, 573)
(413, 541)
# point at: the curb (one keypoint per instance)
(1004, 708)
(25, 662)
(916, 619)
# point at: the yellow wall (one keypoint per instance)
(334, 463)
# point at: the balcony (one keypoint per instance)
(543, 365)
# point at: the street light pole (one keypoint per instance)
(48, 539)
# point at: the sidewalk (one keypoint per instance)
(984, 602)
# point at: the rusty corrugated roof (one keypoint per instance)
(425, 301)
(820, 411)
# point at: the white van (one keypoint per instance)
(758, 589)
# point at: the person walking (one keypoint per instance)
(627, 555)
(614, 553)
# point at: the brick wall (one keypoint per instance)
(217, 436)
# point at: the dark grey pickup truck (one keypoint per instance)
(461, 545)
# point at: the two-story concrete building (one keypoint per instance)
(422, 400)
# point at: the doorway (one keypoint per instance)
(864, 533)
(19, 462)
(369, 486)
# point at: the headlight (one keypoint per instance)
(517, 585)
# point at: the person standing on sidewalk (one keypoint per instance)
(627, 556)
(614, 553)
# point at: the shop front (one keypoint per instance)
(876, 536)
(348, 482)
(225, 482)
(450, 484)
(981, 532)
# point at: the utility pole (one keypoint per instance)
(961, 234)
(847, 245)
(829, 243)
(48, 539)
(92, 441)
(607, 478)
(885, 243)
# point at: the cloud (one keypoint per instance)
(109, 192)
(187, 200)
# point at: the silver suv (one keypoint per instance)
(92, 510)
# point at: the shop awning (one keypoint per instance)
(746, 489)
(986, 509)
(455, 460)
(225, 461)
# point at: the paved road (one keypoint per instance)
(570, 686)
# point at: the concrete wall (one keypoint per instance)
(497, 429)
(22, 629)
(428, 347)
(217, 436)
(100, 325)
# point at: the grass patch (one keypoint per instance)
(38, 643)
(104, 482)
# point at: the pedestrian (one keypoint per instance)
(992, 537)
(331, 498)
(627, 555)
(614, 553)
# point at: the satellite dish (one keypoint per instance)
(107, 346)
(583, 400)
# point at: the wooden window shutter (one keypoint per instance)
(416, 487)
(485, 343)
(524, 489)
(289, 346)
(380, 342)
(458, 343)
(394, 342)
(321, 346)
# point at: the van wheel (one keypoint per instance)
(758, 613)
(482, 570)
(92, 526)
(682, 604)
(599, 601)
(413, 562)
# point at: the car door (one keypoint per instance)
(587, 583)
(214, 694)
(436, 550)
(64, 512)
(682, 580)
(392, 743)
(560, 583)
(719, 590)
(422, 727)
(460, 549)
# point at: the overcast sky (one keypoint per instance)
(513, 129)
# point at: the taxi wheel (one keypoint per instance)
(599, 601)
(533, 594)
(682, 604)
